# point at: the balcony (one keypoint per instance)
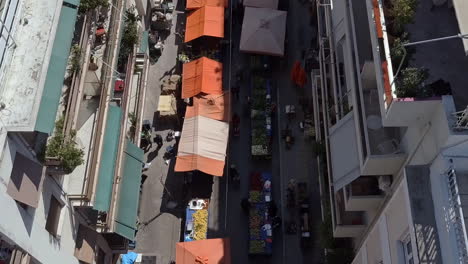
(439, 73)
(363, 194)
(384, 154)
(347, 224)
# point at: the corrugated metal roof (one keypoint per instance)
(108, 159)
(56, 72)
(129, 194)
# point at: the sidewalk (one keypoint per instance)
(159, 228)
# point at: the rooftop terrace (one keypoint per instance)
(21, 89)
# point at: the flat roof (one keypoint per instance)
(21, 90)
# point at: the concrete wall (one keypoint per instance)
(373, 247)
(363, 203)
(383, 240)
(348, 230)
(383, 164)
(26, 227)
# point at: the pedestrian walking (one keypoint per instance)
(158, 140)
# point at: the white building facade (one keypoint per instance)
(396, 165)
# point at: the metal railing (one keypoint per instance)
(462, 120)
(456, 215)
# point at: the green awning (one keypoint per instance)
(73, 2)
(129, 195)
(144, 42)
(45, 121)
(108, 158)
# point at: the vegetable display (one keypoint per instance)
(200, 224)
(260, 117)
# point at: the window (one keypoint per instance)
(8, 12)
(53, 218)
(408, 250)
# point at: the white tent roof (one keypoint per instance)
(263, 31)
(273, 4)
(205, 137)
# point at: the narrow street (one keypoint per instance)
(160, 227)
(296, 163)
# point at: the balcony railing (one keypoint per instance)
(462, 120)
(456, 216)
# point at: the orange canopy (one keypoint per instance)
(208, 251)
(211, 106)
(194, 4)
(202, 75)
(209, 166)
(206, 21)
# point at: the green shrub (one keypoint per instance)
(64, 148)
(403, 12)
(409, 83)
(86, 5)
(75, 60)
(129, 36)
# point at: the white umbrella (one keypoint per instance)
(263, 31)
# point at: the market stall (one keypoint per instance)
(208, 251)
(261, 117)
(263, 31)
(167, 105)
(205, 21)
(260, 222)
(202, 75)
(196, 220)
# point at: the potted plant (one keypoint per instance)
(62, 151)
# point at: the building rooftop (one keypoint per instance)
(24, 78)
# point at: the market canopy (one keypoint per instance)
(211, 106)
(207, 251)
(202, 76)
(206, 21)
(263, 31)
(203, 145)
(167, 105)
(194, 4)
(273, 4)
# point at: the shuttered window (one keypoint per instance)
(53, 217)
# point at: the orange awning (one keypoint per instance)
(195, 162)
(202, 75)
(206, 21)
(208, 251)
(194, 4)
(211, 106)
(202, 145)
